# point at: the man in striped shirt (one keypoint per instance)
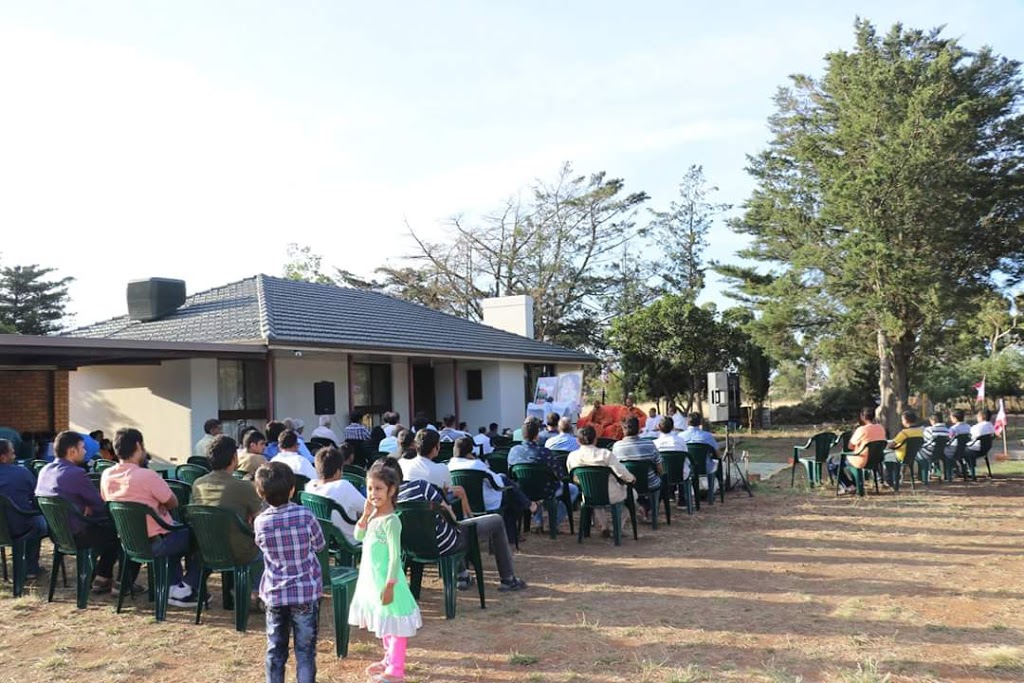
(450, 538)
(632, 448)
(290, 538)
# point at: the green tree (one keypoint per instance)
(752, 363)
(682, 233)
(889, 197)
(668, 348)
(30, 303)
(304, 265)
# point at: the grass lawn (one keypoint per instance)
(791, 585)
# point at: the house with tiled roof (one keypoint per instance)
(267, 347)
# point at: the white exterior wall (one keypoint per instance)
(511, 395)
(155, 399)
(293, 387)
(203, 396)
(482, 412)
(400, 399)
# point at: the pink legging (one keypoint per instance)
(394, 655)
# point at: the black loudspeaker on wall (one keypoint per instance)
(323, 398)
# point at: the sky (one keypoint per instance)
(197, 139)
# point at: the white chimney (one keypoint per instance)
(510, 313)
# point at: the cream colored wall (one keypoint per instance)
(400, 399)
(155, 399)
(293, 387)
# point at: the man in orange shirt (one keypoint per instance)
(129, 482)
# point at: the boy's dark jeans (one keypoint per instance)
(281, 621)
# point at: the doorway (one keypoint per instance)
(423, 392)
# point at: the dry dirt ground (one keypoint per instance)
(791, 585)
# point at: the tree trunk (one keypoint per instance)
(893, 379)
(887, 393)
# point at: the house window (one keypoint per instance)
(241, 390)
(474, 385)
(371, 389)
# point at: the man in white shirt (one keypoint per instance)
(450, 433)
(679, 421)
(288, 453)
(390, 426)
(389, 444)
(423, 466)
(324, 431)
(983, 427)
(329, 467)
(651, 426)
(670, 440)
(483, 442)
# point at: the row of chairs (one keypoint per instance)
(964, 459)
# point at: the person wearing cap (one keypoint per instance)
(324, 431)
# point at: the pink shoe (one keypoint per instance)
(376, 668)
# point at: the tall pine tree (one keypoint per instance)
(890, 195)
(29, 302)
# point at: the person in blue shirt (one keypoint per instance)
(696, 434)
(274, 430)
(530, 451)
(18, 484)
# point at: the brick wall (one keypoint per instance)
(25, 400)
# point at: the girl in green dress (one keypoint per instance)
(383, 603)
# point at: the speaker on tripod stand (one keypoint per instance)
(724, 407)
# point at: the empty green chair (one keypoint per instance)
(419, 545)
(820, 446)
(593, 483)
(641, 470)
(346, 553)
(189, 473)
(446, 449)
(200, 461)
(673, 466)
(37, 465)
(339, 580)
(211, 526)
(355, 478)
(498, 462)
(58, 513)
(130, 522)
(183, 492)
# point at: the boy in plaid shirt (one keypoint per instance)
(290, 537)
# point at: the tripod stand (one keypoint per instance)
(729, 462)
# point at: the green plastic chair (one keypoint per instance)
(343, 588)
(37, 465)
(200, 461)
(698, 454)
(355, 478)
(593, 483)
(419, 546)
(972, 457)
(345, 553)
(912, 447)
(17, 544)
(641, 470)
(875, 451)
(605, 442)
(559, 454)
(189, 473)
(300, 486)
(673, 465)
(211, 526)
(473, 482)
(100, 464)
(534, 479)
(58, 513)
(926, 464)
(822, 443)
(446, 450)
(96, 478)
(959, 458)
(183, 492)
(498, 462)
(501, 442)
(130, 522)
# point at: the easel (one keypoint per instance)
(729, 462)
